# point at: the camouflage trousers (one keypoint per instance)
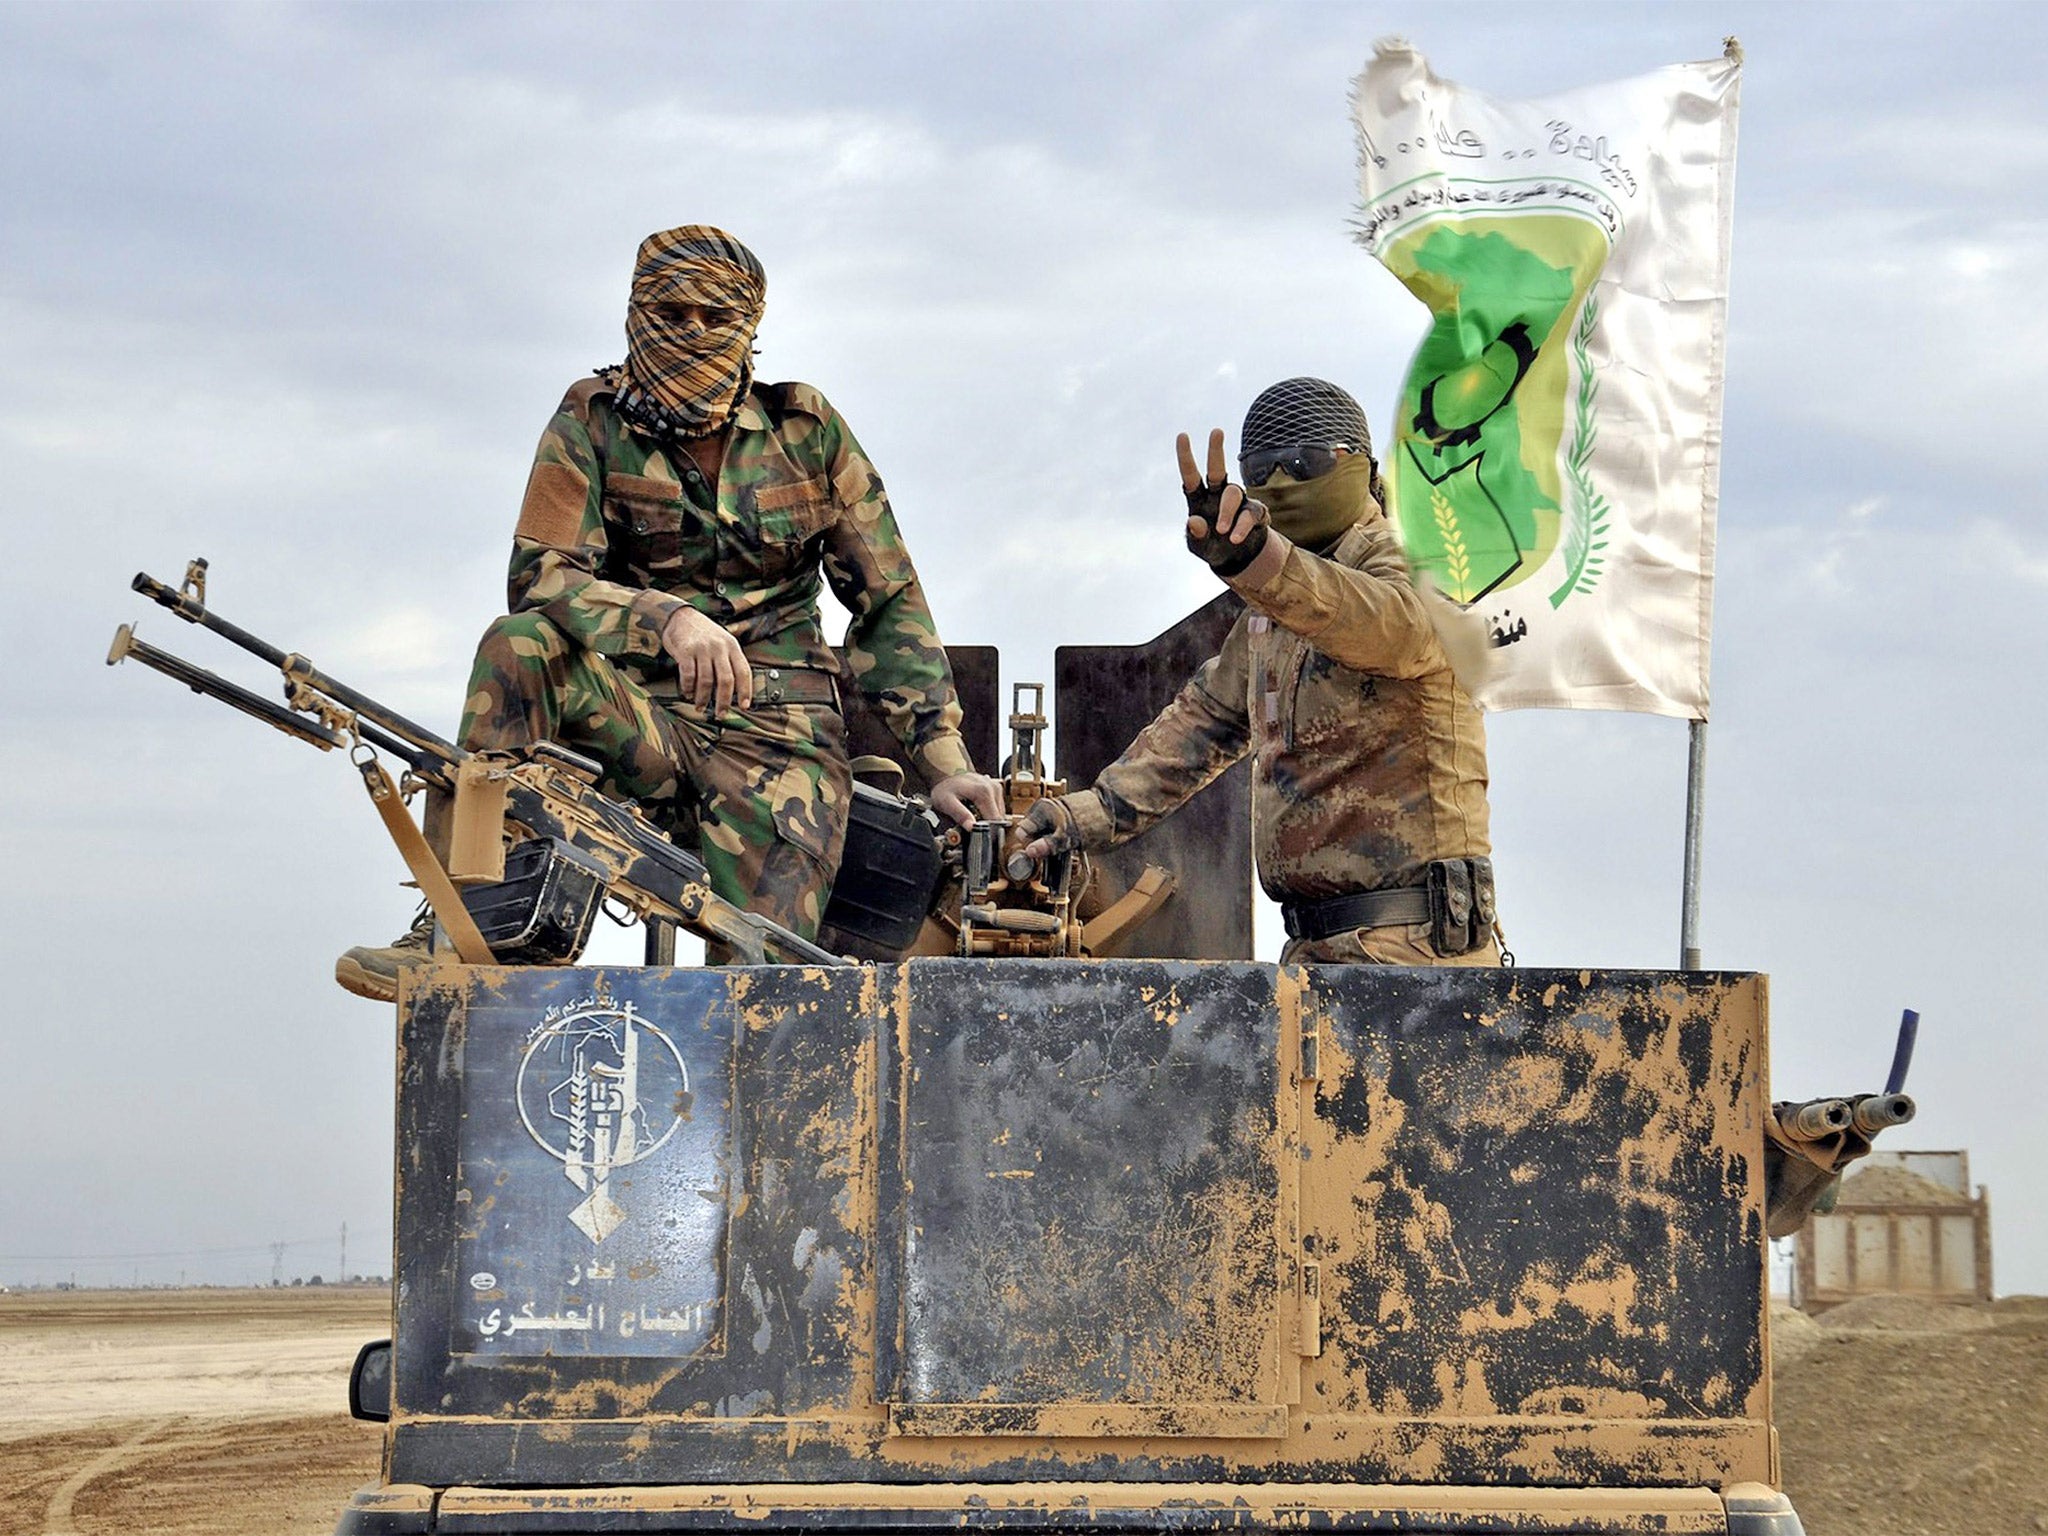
(1401, 944)
(763, 791)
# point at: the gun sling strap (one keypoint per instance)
(426, 869)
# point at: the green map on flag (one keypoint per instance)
(1553, 463)
(1483, 410)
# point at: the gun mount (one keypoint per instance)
(1016, 907)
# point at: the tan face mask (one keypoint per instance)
(1316, 513)
(691, 377)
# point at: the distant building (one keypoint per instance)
(1904, 1223)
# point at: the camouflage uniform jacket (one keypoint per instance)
(617, 533)
(1368, 759)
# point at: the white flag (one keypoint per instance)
(1555, 463)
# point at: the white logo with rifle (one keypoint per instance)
(600, 1088)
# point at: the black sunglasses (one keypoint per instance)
(1302, 461)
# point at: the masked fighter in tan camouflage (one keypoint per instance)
(664, 601)
(1369, 761)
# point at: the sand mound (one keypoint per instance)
(1905, 1314)
(2007, 1308)
(1793, 1334)
(1919, 1418)
(1882, 1185)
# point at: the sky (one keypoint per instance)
(296, 288)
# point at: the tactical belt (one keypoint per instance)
(1367, 909)
(795, 685)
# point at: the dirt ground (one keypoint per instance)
(222, 1413)
(183, 1413)
(1916, 1418)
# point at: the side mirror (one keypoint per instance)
(369, 1383)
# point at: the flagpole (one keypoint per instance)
(1695, 793)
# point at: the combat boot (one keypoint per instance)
(372, 972)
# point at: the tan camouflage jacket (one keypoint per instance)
(1368, 758)
(614, 537)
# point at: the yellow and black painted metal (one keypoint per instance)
(1132, 1244)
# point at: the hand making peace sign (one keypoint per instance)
(1226, 528)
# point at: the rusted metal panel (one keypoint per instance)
(1094, 1182)
(1905, 1222)
(1934, 1251)
(1870, 1253)
(1916, 1255)
(1031, 1222)
(1091, 1421)
(778, 1200)
(1536, 1193)
(594, 1172)
(1103, 696)
(1956, 1256)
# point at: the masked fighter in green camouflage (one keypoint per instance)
(1368, 759)
(664, 602)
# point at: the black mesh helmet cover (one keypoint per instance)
(1303, 412)
(1300, 412)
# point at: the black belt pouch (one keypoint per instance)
(1461, 907)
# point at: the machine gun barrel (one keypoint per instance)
(1881, 1111)
(298, 669)
(199, 680)
(650, 874)
(1814, 1120)
(193, 610)
(368, 710)
(1806, 1146)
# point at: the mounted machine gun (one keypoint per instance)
(1808, 1144)
(537, 847)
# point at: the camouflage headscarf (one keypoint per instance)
(687, 380)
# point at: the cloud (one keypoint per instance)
(1994, 547)
(1826, 555)
(1961, 155)
(1826, 332)
(408, 638)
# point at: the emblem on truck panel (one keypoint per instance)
(600, 1087)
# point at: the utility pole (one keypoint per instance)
(341, 1274)
(277, 1263)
